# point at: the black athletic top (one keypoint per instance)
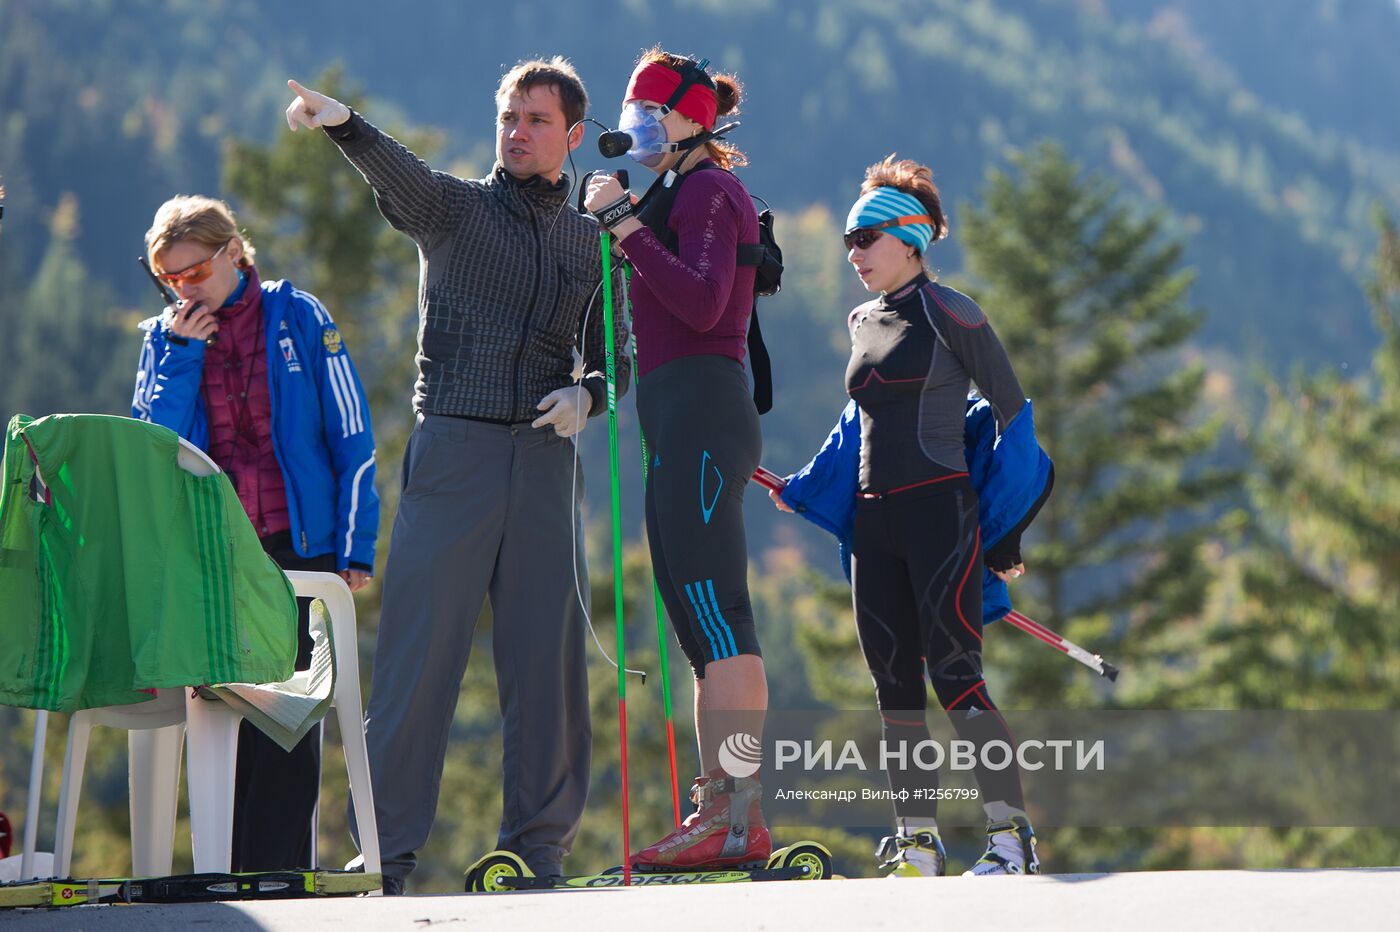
(914, 353)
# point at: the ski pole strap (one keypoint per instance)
(616, 212)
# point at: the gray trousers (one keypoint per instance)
(485, 511)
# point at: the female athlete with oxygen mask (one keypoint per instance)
(691, 302)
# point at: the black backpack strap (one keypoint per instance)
(760, 365)
(752, 253)
(654, 210)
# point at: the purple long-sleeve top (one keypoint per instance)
(697, 303)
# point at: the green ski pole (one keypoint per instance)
(615, 490)
(656, 590)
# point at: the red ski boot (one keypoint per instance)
(726, 830)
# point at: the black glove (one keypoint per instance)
(1005, 555)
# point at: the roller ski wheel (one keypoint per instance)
(492, 874)
(813, 858)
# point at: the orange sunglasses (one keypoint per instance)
(193, 274)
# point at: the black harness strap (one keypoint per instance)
(654, 210)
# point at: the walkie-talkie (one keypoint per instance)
(169, 296)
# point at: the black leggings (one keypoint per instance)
(916, 572)
(703, 445)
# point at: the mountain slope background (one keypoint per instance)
(1256, 122)
(1265, 128)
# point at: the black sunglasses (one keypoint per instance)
(861, 239)
(865, 237)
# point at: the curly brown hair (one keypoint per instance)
(912, 178)
(728, 94)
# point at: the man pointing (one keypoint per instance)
(509, 274)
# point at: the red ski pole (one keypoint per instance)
(1065, 646)
(771, 480)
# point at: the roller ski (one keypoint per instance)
(504, 871)
(1010, 850)
(723, 841)
(913, 851)
(187, 888)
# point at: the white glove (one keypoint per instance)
(314, 110)
(566, 410)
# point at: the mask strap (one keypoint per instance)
(685, 145)
(692, 73)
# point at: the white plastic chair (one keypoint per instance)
(212, 733)
(211, 730)
(156, 730)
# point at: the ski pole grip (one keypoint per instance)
(769, 479)
(583, 189)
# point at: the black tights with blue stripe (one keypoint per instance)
(703, 445)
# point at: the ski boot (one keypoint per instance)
(725, 830)
(913, 851)
(1010, 849)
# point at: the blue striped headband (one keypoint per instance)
(899, 214)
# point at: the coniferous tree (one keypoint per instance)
(1304, 614)
(1090, 299)
(71, 350)
(1309, 621)
(314, 221)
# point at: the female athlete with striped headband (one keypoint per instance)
(916, 551)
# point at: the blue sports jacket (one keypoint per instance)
(321, 430)
(1008, 471)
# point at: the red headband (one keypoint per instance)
(654, 81)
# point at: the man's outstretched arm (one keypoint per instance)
(413, 198)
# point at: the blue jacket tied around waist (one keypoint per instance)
(1009, 472)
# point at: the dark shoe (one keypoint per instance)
(393, 886)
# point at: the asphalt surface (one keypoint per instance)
(1139, 902)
